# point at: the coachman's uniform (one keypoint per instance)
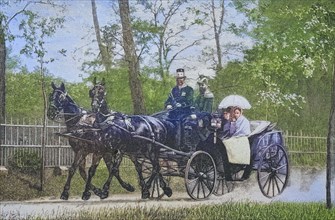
(180, 95)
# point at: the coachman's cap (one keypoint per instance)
(180, 73)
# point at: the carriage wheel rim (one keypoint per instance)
(271, 181)
(200, 184)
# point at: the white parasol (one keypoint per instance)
(235, 100)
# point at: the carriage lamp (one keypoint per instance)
(193, 116)
(216, 123)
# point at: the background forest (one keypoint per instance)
(286, 74)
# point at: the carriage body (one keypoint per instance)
(268, 158)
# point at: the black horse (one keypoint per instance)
(114, 136)
(126, 133)
(182, 132)
(97, 95)
(139, 137)
(78, 120)
(99, 104)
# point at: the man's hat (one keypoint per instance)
(202, 80)
(180, 73)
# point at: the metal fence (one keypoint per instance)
(25, 137)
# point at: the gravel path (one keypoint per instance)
(305, 185)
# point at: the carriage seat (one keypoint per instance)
(258, 127)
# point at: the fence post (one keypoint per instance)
(3, 169)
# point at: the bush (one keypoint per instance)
(25, 161)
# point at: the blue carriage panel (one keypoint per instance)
(262, 141)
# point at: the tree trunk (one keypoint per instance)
(44, 128)
(331, 145)
(2, 80)
(105, 56)
(131, 58)
(217, 32)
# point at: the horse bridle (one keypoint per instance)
(60, 109)
(97, 95)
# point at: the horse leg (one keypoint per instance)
(145, 191)
(118, 156)
(78, 158)
(83, 175)
(95, 162)
(113, 161)
(154, 158)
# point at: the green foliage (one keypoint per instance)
(118, 91)
(155, 89)
(290, 66)
(117, 87)
(79, 93)
(26, 161)
(24, 94)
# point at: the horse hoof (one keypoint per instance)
(129, 188)
(98, 192)
(145, 194)
(86, 196)
(168, 191)
(104, 195)
(64, 196)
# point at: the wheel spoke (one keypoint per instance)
(277, 184)
(203, 189)
(269, 185)
(265, 176)
(195, 185)
(279, 178)
(273, 185)
(283, 156)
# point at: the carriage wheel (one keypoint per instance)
(156, 192)
(200, 175)
(273, 171)
(222, 186)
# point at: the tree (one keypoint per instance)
(169, 29)
(5, 35)
(8, 15)
(131, 59)
(35, 31)
(214, 13)
(105, 56)
(296, 40)
(3, 26)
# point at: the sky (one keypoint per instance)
(78, 36)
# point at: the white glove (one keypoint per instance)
(178, 105)
(168, 107)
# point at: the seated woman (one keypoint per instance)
(224, 132)
(241, 126)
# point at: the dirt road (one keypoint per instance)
(305, 185)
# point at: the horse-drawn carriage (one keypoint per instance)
(179, 142)
(213, 165)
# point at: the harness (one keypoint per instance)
(63, 96)
(130, 129)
